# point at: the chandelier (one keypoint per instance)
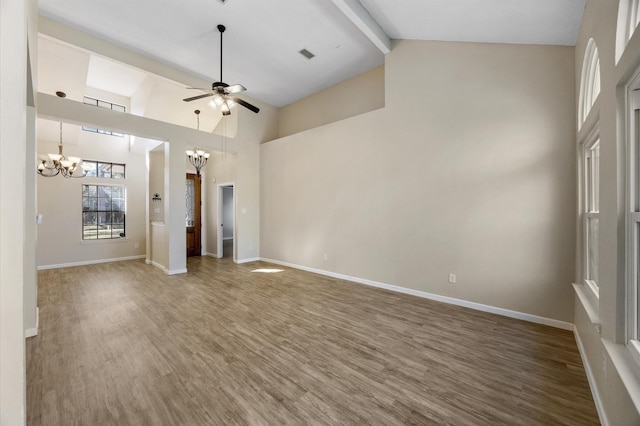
(58, 164)
(198, 157)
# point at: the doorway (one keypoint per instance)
(193, 215)
(226, 221)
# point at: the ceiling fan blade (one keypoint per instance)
(198, 88)
(235, 88)
(245, 104)
(193, 98)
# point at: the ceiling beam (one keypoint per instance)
(361, 19)
(51, 107)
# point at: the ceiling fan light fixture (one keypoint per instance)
(221, 92)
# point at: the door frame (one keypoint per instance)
(219, 236)
(197, 207)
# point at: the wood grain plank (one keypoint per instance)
(125, 344)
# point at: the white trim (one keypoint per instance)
(227, 238)
(627, 369)
(213, 255)
(90, 262)
(157, 265)
(175, 271)
(105, 240)
(219, 237)
(32, 332)
(591, 379)
(425, 295)
(249, 260)
(590, 303)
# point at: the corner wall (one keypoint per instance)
(469, 169)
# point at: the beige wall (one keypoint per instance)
(469, 169)
(360, 94)
(60, 201)
(221, 169)
(599, 23)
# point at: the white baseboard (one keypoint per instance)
(89, 262)
(157, 265)
(175, 271)
(592, 380)
(32, 332)
(227, 238)
(445, 299)
(248, 260)
(213, 255)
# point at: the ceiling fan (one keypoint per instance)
(223, 93)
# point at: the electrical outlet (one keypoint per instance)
(325, 257)
(452, 278)
(136, 245)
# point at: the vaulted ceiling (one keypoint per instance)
(263, 38)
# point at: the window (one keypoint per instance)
(103, 212)
(589, 81)
(628, 19)
(104, 170)
(103, 104)
(591, 212)
(633, 218)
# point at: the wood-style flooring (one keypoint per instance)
(125, 344)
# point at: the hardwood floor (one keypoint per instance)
(125, 344)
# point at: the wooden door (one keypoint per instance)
(193, 220)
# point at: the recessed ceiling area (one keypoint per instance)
(263, 38)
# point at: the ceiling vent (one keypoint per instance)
(222, 1)
(306, 54)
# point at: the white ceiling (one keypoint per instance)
(263, 38)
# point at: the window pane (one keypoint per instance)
(190, 210)
(596, 178)
(592, 249)
(104, 170)
(104, 204)
(91, 167)
(118, 108)
(103, 104)
(104, 231)
(89, 218)
(117, 171)
(89, 204)
(117, 192)
(89, 232)
(117, 205)
(104, 191)
(118, 218)
(118, 231)
(89, 191)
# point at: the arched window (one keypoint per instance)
(590, 81)
(628, 19)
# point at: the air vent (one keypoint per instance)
(306, 54)
(222, 1)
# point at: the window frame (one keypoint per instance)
(590, 83)
(88, 100)
(123, 234)
(590, 206)
(109, 163)
(632, 218)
